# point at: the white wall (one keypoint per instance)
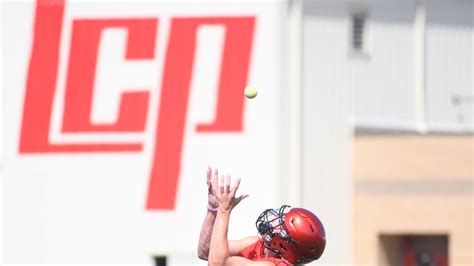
(383, 79)
(326, 126)
(449, 72)
(416, 71)
(90, 208)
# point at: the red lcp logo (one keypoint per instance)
(141, 42)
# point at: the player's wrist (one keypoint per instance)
(224, 210)
(212, 209)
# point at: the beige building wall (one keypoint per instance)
(413, 184)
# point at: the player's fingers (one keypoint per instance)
(215, 185)
(227, 184)
(235, 187)
(221, 184)
(209, 174)
(210, 190)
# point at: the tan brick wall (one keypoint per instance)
(413, 184)
(413, 156)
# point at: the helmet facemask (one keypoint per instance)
(270, 224)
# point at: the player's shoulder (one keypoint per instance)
(247, 241)
(236, 247)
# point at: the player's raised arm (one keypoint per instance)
(225, 194)
(208, 224)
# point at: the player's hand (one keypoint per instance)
(211, 197)
(225, 194)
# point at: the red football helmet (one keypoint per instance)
(294, 234)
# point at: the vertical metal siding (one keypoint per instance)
(326, 124)
(383, 82)
(450, 96)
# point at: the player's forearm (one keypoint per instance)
(205, 235)
(219, 250)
